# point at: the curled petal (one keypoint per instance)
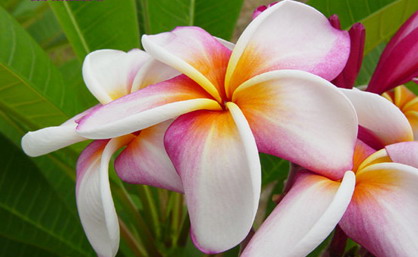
(94, 200)
(404, 152)
(382, 215)
(145, 161)
(217, 159)
(380, 117)
(195, 53)
(398, 63)
(109, 74)
(302, 118)
(145, 108)
(304, 218)
(271, 42)
(46, 140)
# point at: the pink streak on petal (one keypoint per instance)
(146, 162)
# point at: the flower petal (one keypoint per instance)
(146, 107)
(302, 118)
(288, 35)
(217, 159)
(382, 215)
(380, 117)
(195, 53)
(398, 63)
(46, 140)
(109, 73)
(404, 152)
(304, 218)
(94, 199)
(145, 161)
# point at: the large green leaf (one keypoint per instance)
(30, 210)
(31, 87)
(93, 25)
(217, 17)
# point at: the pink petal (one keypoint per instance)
(302, 118)
(380, 117)
(94, 199)
(404, 152)
(145, 108)
(399, 61)
(288, 35)
(109, 74)
(304, 218)
(46, 140)
(217, 159)
(145, 161)
(382, 215)
(195, 53)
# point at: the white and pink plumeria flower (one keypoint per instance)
(110, 74)
(229, 105)
(374, 202)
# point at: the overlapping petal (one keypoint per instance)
(398, 63)
(304, 218)
(290, 115)
(145, 161)
(382, 213)
(404, 152)
(94, 199)
(195, 53)
(146, 107)
(272, 42)
(216, 157)
(379, 116)
(109, 74)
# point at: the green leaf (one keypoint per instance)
(18, 249)
(30, 210)
(93, 25)
(348, 11)
(217, 17)
(32, 89)
(380, 26)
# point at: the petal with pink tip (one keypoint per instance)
(109, 74)
(145, 108)
(145, 161)
(380, 117)
(302, 118)
(194, 52)
(46, 140)
(94, 200)
(382, 215)
(304, 218)
(398, 63)
(288, 35)
(404, 152)
(217, 159)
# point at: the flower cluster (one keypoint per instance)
(192, 113)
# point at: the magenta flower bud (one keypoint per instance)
(261, 9)
(399, 61)
(349, 74)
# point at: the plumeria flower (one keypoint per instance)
(375, 203)
(230, 105)
(110, 74)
